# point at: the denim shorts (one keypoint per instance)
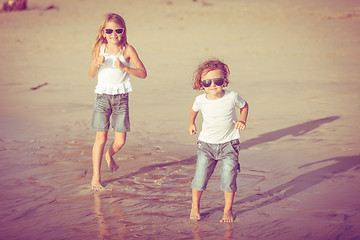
(115, 105)
(208, 156)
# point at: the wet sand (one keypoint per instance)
(296, 64)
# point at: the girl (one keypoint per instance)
(111, 56)
(219, 138)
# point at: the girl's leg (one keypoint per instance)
(195, 208)
(116, 145)
(98, 149)
(228, 215)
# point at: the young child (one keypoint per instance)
(111, 56)
(219, 138)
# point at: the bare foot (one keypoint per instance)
(194, 214)
(111, 163)
(228, 217)
(96, 185)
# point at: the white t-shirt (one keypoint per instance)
(218, 117)
(112, 80)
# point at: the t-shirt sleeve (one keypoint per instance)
(196, 106)
(239, 101)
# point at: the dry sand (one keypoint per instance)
(295, 62)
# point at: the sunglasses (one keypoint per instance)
(118, 31)
(217, 81)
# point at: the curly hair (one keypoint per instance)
(207, 66)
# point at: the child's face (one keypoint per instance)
(214, 89)
(113, 38)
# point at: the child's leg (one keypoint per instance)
(228, 215)
(229, 170)
(116, 145)
(205, 165)
(98, 149)
(195, 208)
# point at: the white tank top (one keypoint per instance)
(112, 80)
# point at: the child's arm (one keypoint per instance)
(241, 124)
(139, 70)
(95, 63)
(192, 125)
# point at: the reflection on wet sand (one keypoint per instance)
(105, 220)
(104, 232)
(199, 235)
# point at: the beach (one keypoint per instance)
(295, 62)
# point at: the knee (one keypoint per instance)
(100, 140)
(117, 145)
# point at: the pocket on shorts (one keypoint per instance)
(124, 96)
(235, 145)
(198, 144)
(100, 99)
(99, 96)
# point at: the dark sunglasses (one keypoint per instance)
(217, 81)
(118, 31)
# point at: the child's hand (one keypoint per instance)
(119, 64)
(240, 125)
(192, 129)
(100, 61)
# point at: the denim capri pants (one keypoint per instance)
(208, 156)
(115, 105)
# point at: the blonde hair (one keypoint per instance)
(207, 66)
(111, 17)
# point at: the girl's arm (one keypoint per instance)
(139, 70)
(95, 62)
(192, 125)
(241, 124)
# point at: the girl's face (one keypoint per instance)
(213, 78)
(113, 33)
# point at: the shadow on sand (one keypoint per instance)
(296, 130)
(288, 189)
(298, 184)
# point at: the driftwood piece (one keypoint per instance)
(39, 86)
(14, 5)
